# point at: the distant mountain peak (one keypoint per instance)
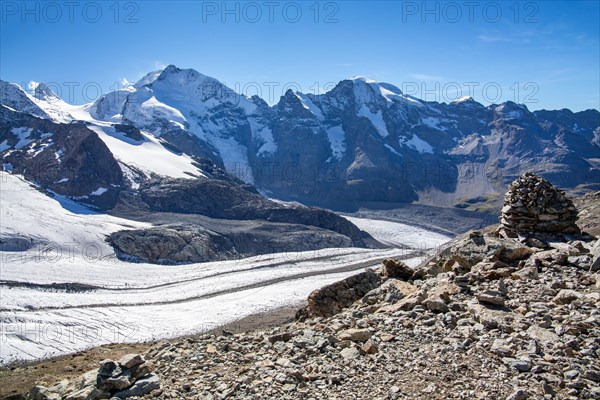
(41, 91)
(463, 99)
(364, 79)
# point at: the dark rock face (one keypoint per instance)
(532, 204)
(171, 245)
(228, 200)
(69, 159)
(331, 299)
(180, 243)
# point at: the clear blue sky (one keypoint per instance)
(545, 54)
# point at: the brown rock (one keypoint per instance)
(331, 299)
(393, 268)
(355, 335)
(369, 347)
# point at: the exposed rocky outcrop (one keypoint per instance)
(171, 244)
(185, 243)
(331, 299)
(532, 204)
(229, 200)
(131, 376)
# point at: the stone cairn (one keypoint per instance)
(131, 376)
(533, 205)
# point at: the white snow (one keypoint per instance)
(110, 106)
(23, 135)
(148, 79)
(390, 148)
(39, 147)
(364, 79)
(461, 100)
(134, 302)
(149, 155)
(187, 98)
(153, 108)
(58, 109)
(265, 135)
(308, 104)
(27, 212)
(502, 109)
(393, 94)
(99, 192)
(337, 141)
(4, 145)
(397, 234)
(417, 143)
(375, 118)
(366, 90)
(434, 123)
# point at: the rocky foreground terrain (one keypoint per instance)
(487, 317)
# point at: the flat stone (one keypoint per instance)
(140, 387)
(350, 353)
(491, 297)
(355, 335)
(131, 360)
(88, 393)
(566, 296)
(436, 304)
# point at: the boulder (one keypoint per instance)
(393, 268)
(131, 360)
(140, 387)
(355, 335)
(491, 297)
(333, 298)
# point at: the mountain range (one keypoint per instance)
(363, 143)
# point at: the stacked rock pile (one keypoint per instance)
(131, 376)
(532, 205)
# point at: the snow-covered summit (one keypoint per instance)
(42, 92)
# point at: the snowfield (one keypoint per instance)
(65, 291)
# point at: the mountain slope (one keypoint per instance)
(119, 168)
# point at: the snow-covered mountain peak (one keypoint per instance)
(363, 79)
(466, 101)
(147, 79)
(15, 98)
(510, 109)
(368, 91)
(463, 99)
(42, 92)
(182, 77)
